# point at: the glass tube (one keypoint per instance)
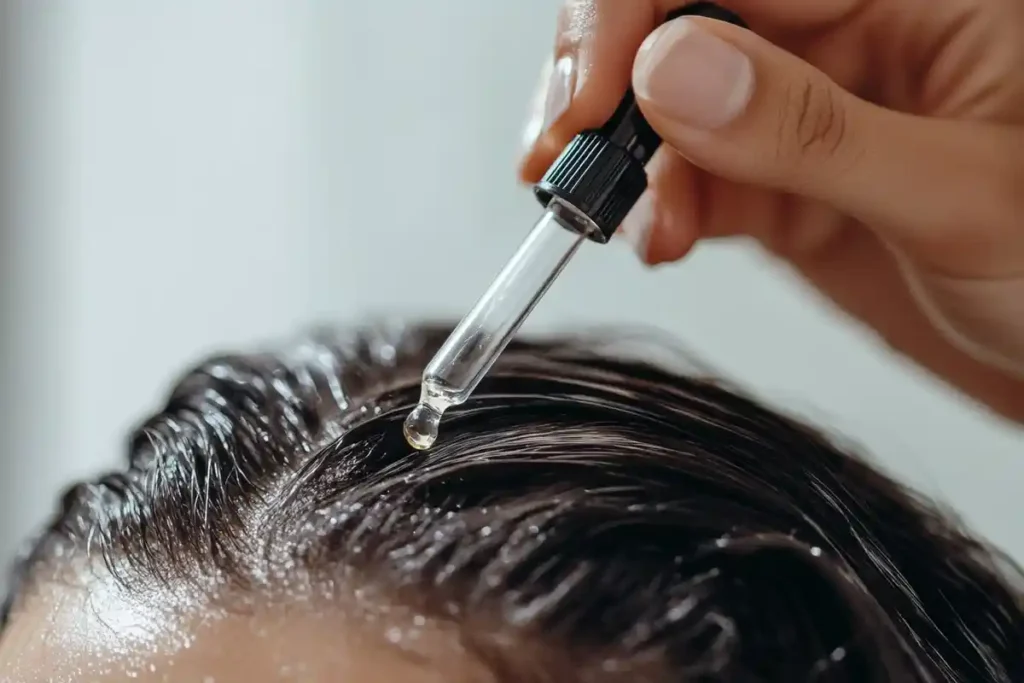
(474, 346)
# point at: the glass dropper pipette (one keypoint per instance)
(587, 193)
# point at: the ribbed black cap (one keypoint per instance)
(601, 172)
(598, 177)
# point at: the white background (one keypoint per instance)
(204, 174)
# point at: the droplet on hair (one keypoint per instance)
(611, 665)
(386, 352)
(677, 612)
(816, 551)
(838, 654)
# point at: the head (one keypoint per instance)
(586, 516)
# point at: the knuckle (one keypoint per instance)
(812, 123)
(1010, 213)
(991, 227)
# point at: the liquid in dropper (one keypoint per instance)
(588, 191)
(473, 347)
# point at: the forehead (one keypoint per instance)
(98, 633)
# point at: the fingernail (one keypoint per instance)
(636, 228)
(694, 76)
(554, 94)
(560, 91)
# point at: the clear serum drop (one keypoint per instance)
(421, 426)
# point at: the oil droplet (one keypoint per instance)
(420, 427)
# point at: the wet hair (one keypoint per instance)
(620, 517)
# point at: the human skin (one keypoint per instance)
(97, 632)
(879, 151)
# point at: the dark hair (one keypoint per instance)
(624, 517)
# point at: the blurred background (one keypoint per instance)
(197, 175)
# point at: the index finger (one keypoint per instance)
(601, 38)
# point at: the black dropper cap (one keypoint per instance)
(601, 172)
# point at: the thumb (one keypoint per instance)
(947, 192)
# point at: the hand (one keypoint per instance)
(876, 146)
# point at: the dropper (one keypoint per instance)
(587, 193)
